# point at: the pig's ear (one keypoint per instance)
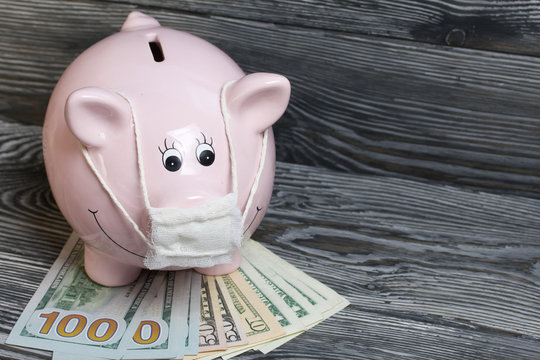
(137, 20)
(257, 100)
(93, 114)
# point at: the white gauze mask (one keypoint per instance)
(201, 236)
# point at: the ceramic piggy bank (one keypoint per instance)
(159, 152)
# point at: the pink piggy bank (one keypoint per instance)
(159, 152)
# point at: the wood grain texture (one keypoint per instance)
(432, 271)
(410, 239)
(502, 26)
(360, 104)
(409, 173)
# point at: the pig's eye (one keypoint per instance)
(171, 157)
(205, 152)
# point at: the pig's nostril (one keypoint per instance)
(157, 51)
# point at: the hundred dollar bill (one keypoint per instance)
(151, 308)
(211, 331)
(148, 305)
(72, 314)
(160, 321)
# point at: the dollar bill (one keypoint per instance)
(72, 314)
(191, 339)
(324, 298)
(211, 330)
(265, 315)
(264, 304)
(259, 323)
(59, 355)
(267, 277)
(286, 314)
(321, 298)
(183, 300)
(232, 325)
(159, 321)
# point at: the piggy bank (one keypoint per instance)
(159, 152)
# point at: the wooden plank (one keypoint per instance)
(497, 25)
(432, 271)
(359, 104)
(368, 335)
(427, 250)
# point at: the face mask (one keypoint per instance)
(201, 236)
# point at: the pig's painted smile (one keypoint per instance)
(107, 235)
(251, 223)
(133, 253)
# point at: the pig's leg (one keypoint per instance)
(105, 270)
(223, 269)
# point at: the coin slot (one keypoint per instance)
(157, 51)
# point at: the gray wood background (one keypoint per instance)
(408, 174)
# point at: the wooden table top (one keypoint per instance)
(431, 271)
(408, 174)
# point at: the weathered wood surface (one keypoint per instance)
(360, 103)
(409, 174)
(506, 26)
(432, 271)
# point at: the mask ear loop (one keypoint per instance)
(254, 187)
(226, 118)
(109, 191)
(142, 178)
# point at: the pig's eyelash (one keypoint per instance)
(166, 147)
(204, 140)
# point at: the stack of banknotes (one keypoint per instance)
(172, 314)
